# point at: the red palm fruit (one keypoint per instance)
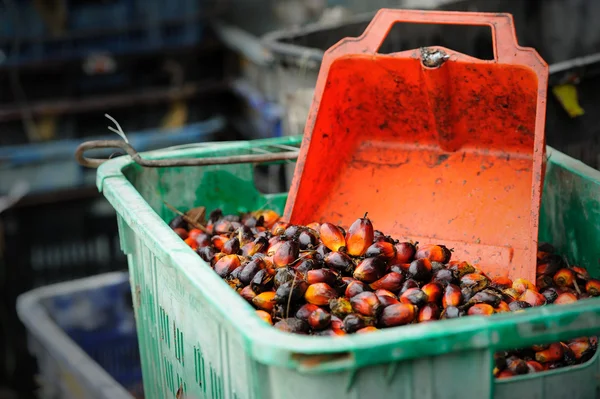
(206, 253)
(337, 323)
(564, 278)
(319, 319)
(405, 253)
(264, 316)
(381, 249)
(510, 295)
(482, 309)
(452, 296)
(314, 226)
(340, 307)
(332, 236)
(392, 281)
(550, 294)
(359, 236)
(398, 315)
(354, 322)
(401, 268)
(321, 276)
(274, 244)
(339, 261)
(307, 239)
(367, 329)
(369, 270)
(565, 298)
(568, 355)
(414, 296)
(247, 293)
(269, 216)
(452, 312)
(408, 284)
(489, 296)
(292, 232)
(366, 303)
(231, 246)
(434, 292)
(265, 301)
(505, 374)
(193, 233)
(502, 307)
(534, 367)
(306, 310)
(516, 306)
(319, 294)
(443, 277)
(388, 300)
(554, 353)
(592, 287)
(420, 269)
(279, 227)
(539, 348)
(580, 347)
(259, 245)
(386, 297)
(354, 288)
(181, 232)
(501, 283)
(429, 312)
(203, 240)
(223, 227)
(516, 365)
(250, 270)
(521, 285)
(435, 253)
(191, 242)
(533, 298)
(461, 269)
(382, 292)
(227, 264)
(547, 268)
(292, 325)
(475, 282)
(218, 241)
(581, 273)
(286, 254)
(543, 282)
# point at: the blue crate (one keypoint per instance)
(115, 27)
(51, 166)
(84, 338)
(101, 322)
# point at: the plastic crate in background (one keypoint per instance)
(82, 334)
(47, 239)
(113, 26)
(51, 166)
(199, 335)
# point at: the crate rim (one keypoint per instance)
(44, 329)
(275, 348)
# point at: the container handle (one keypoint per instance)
(291, 154)
(506, 48)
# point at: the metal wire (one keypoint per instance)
(268, 154)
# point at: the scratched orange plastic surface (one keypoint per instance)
(451, 155)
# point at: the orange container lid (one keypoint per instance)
(439, 147)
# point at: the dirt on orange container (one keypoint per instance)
(438, 146)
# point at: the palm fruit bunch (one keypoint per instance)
(324, 280)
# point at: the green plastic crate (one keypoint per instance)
(196, 333)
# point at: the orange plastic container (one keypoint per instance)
(438, 146)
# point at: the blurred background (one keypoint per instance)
(183, 72)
